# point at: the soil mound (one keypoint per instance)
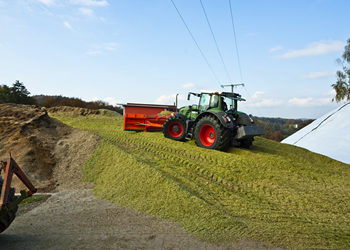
(50, 152)
(73, 111)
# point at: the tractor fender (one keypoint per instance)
(183, 117)
(244, 119)
(220, 117)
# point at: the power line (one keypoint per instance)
(239, 62)
(234, 32)
(222, 60)
(252, 101)
(195, 42)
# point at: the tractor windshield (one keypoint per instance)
(208, 101)
(204, 102)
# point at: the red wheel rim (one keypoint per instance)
(207, 135)
(175, 129)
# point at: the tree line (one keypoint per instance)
(19, 94)
(58, 101)
(278, 129)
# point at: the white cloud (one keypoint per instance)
(329, 93)
(187, 85)
(86, 12)
(111, 46)
(261, 99)
(111, 101)
(170, 99)
(314, 75)
(94, 53)
(47, 2)
(89, 2)
(309, 102)
(67, 25)
(275, 48)
(315, 49)
(102, 19)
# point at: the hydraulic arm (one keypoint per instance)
(9, 169)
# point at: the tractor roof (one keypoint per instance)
(230, 95)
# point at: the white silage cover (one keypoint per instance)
(329, 135)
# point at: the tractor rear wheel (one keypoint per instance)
(210, 133)
(10, 215)
(174, 128)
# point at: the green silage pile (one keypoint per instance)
(278, 194)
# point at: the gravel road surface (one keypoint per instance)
(75, 219)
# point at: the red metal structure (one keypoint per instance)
(8, 202)
(143, 122)
(146, 109)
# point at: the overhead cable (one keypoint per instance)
(239, 62)
(195, 42)
(252, 101)
(222, 60)
(234, 33)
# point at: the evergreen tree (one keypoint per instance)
(18, 93)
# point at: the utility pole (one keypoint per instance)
(232, 86)
(176, 102)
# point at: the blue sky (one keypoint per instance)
(140, 51)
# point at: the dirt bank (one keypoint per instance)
(48, 151)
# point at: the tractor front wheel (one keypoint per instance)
(174, 128)
(211, 134)
(9, 215)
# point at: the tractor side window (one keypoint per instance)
(223, 104)
(204, 103)
(228, 102)
(214, 103)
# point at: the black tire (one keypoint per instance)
(211, 134)
(6, 221)
(174, 128)
(246, 143)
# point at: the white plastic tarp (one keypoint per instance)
(329, 135)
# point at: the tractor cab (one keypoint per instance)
(216, 101)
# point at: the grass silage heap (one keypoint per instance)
(275, 193)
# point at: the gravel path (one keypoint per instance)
(75, 219)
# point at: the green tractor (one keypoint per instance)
(215, 123)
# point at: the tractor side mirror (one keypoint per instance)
(189, 96)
